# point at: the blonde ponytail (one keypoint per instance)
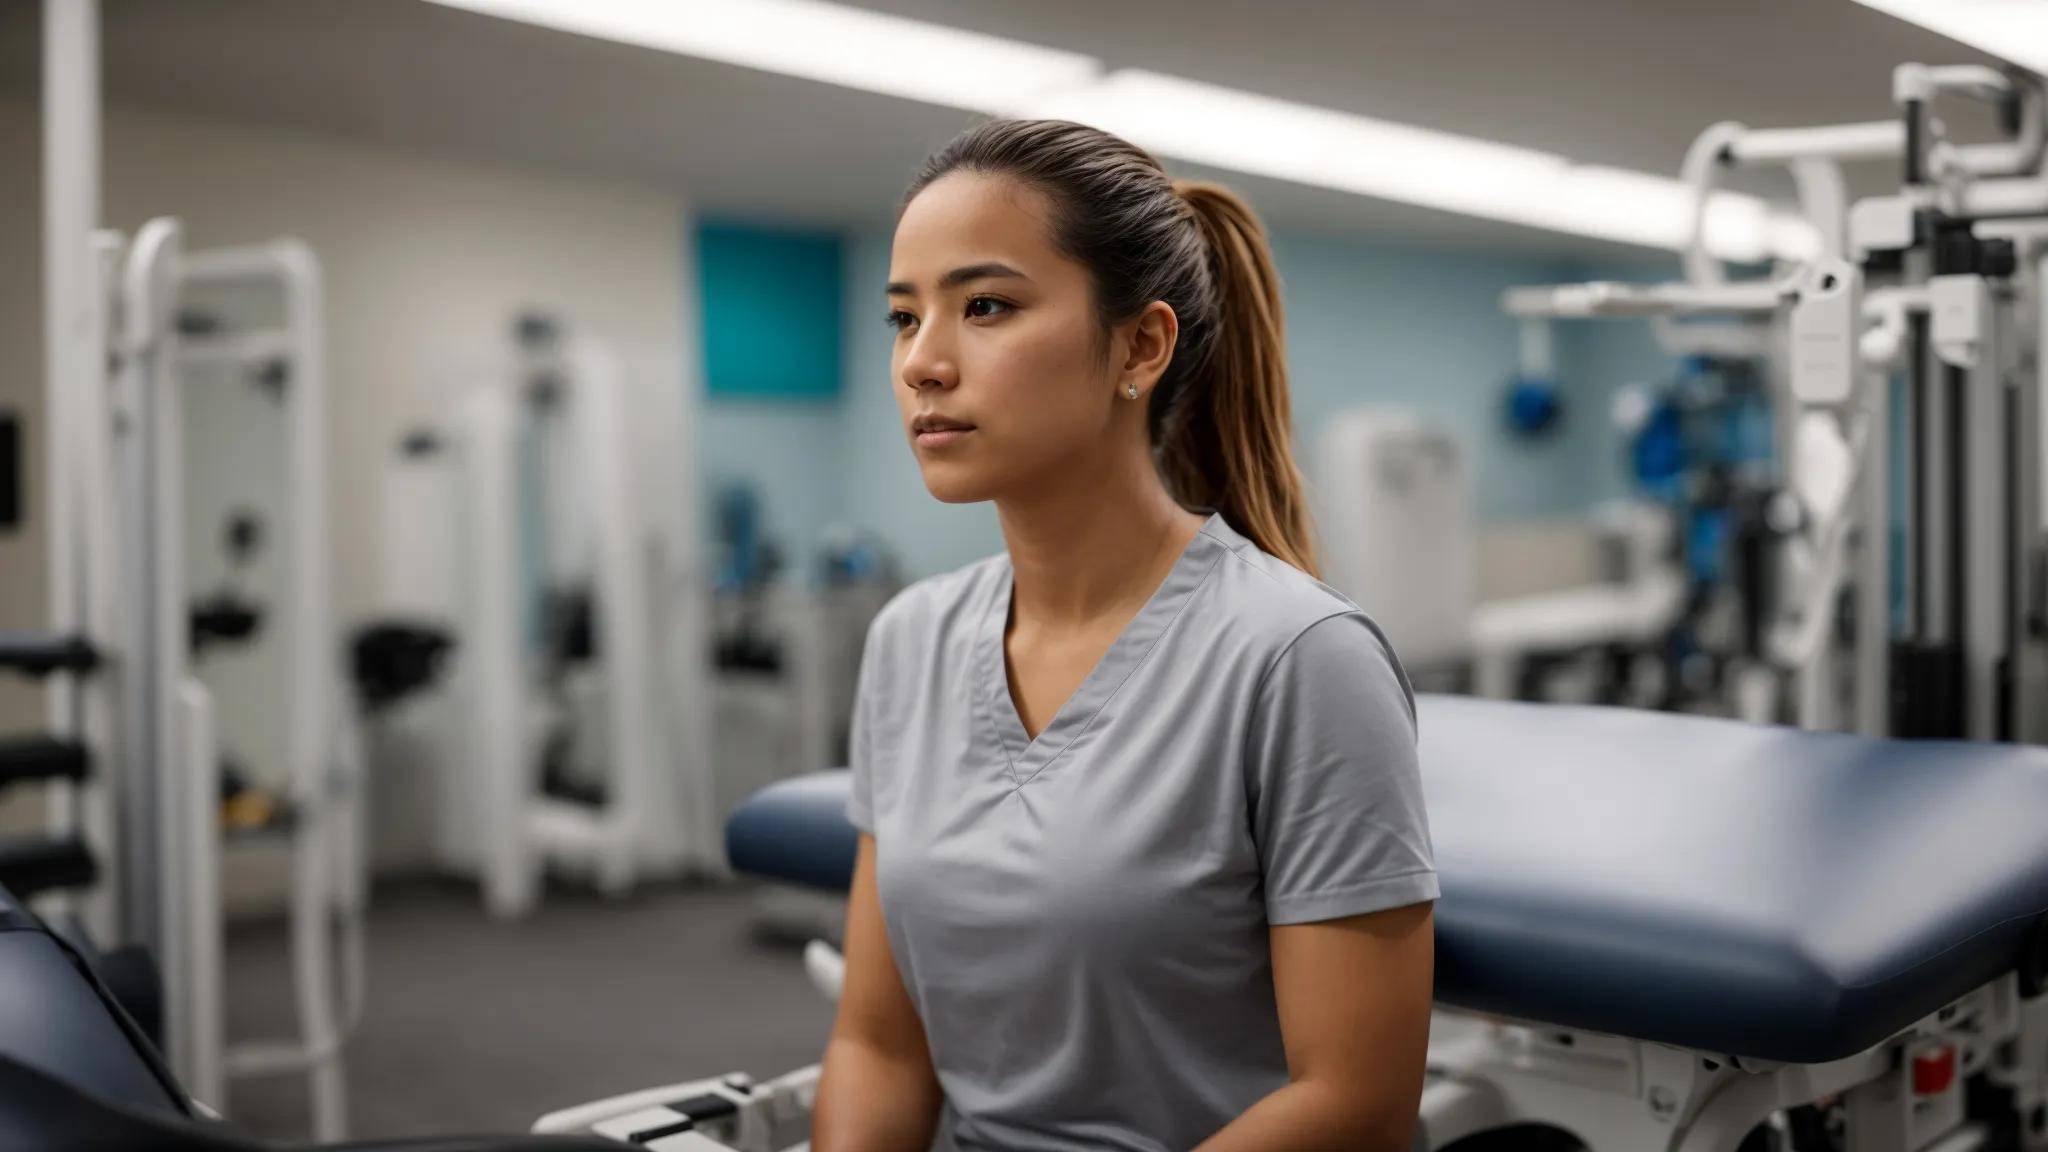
(1232, 450)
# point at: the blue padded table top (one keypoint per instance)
(1745, 890)
(796, 831)
(1755, 891)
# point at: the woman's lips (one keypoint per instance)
(941, 437)
(934, 431)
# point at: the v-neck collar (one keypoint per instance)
(1027, 756)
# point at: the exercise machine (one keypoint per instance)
(578, 719)
(130, 763)
(149, 721)
(1941, 285)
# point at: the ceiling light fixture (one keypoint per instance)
(1184, 119)
(2014, 30)
(831, 43)
(1244, 132)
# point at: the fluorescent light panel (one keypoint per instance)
(2013, 30)
(830, 43)
(1221, 127)
(1242, 132)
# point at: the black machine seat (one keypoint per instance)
(56, 1018)
(76, 1074)
(38, 1110)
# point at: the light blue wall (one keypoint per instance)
(1388, 326)
(789, 452)
(1367, 324)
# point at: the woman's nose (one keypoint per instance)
(930, 363)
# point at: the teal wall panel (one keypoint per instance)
(772, 304)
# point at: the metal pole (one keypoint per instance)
(2023, 526)
(2033, 531)
(1873, 583)
(152, 615)
(314, 657)
(198, 811)
(171, 778)
(71, 209)
(1981, 434)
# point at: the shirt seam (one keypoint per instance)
(1272, 665)
(1131, 671)
(1251, 727)
(1247, 546)
(985, 700)
(1352, 889)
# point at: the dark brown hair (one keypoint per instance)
(1220, 419)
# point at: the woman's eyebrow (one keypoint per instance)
(988, 270)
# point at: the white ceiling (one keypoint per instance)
(1621, 82)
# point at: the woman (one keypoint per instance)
(1143, 860)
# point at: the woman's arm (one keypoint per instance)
(878, 1092)
(1354, 998)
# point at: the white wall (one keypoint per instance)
(426, 261)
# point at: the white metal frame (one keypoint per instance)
(657, 819)
(325, 787)
(165, 885)
(116, 495)
(75, 269)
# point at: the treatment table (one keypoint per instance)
(1661, 932)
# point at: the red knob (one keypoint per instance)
(1934, 1071)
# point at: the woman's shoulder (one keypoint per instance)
(1270, 602)
(930, 609)
(1302, 632)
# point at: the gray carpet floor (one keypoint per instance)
(474, 1026)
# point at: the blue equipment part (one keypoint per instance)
(1534, 406)
(1658, 457)
(739, 530)
(1762, 892)
(1706, 544)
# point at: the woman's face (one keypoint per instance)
(1000, 367)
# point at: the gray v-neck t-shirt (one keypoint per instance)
(1081, 918)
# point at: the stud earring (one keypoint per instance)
(1131, 390)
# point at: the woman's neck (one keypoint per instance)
(1093, 547)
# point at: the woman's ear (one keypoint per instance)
(1147, 348)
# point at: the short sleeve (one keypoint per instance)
(860, 737)
(1336, 791)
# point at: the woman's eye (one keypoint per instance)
(983, 307)
(899, 319)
